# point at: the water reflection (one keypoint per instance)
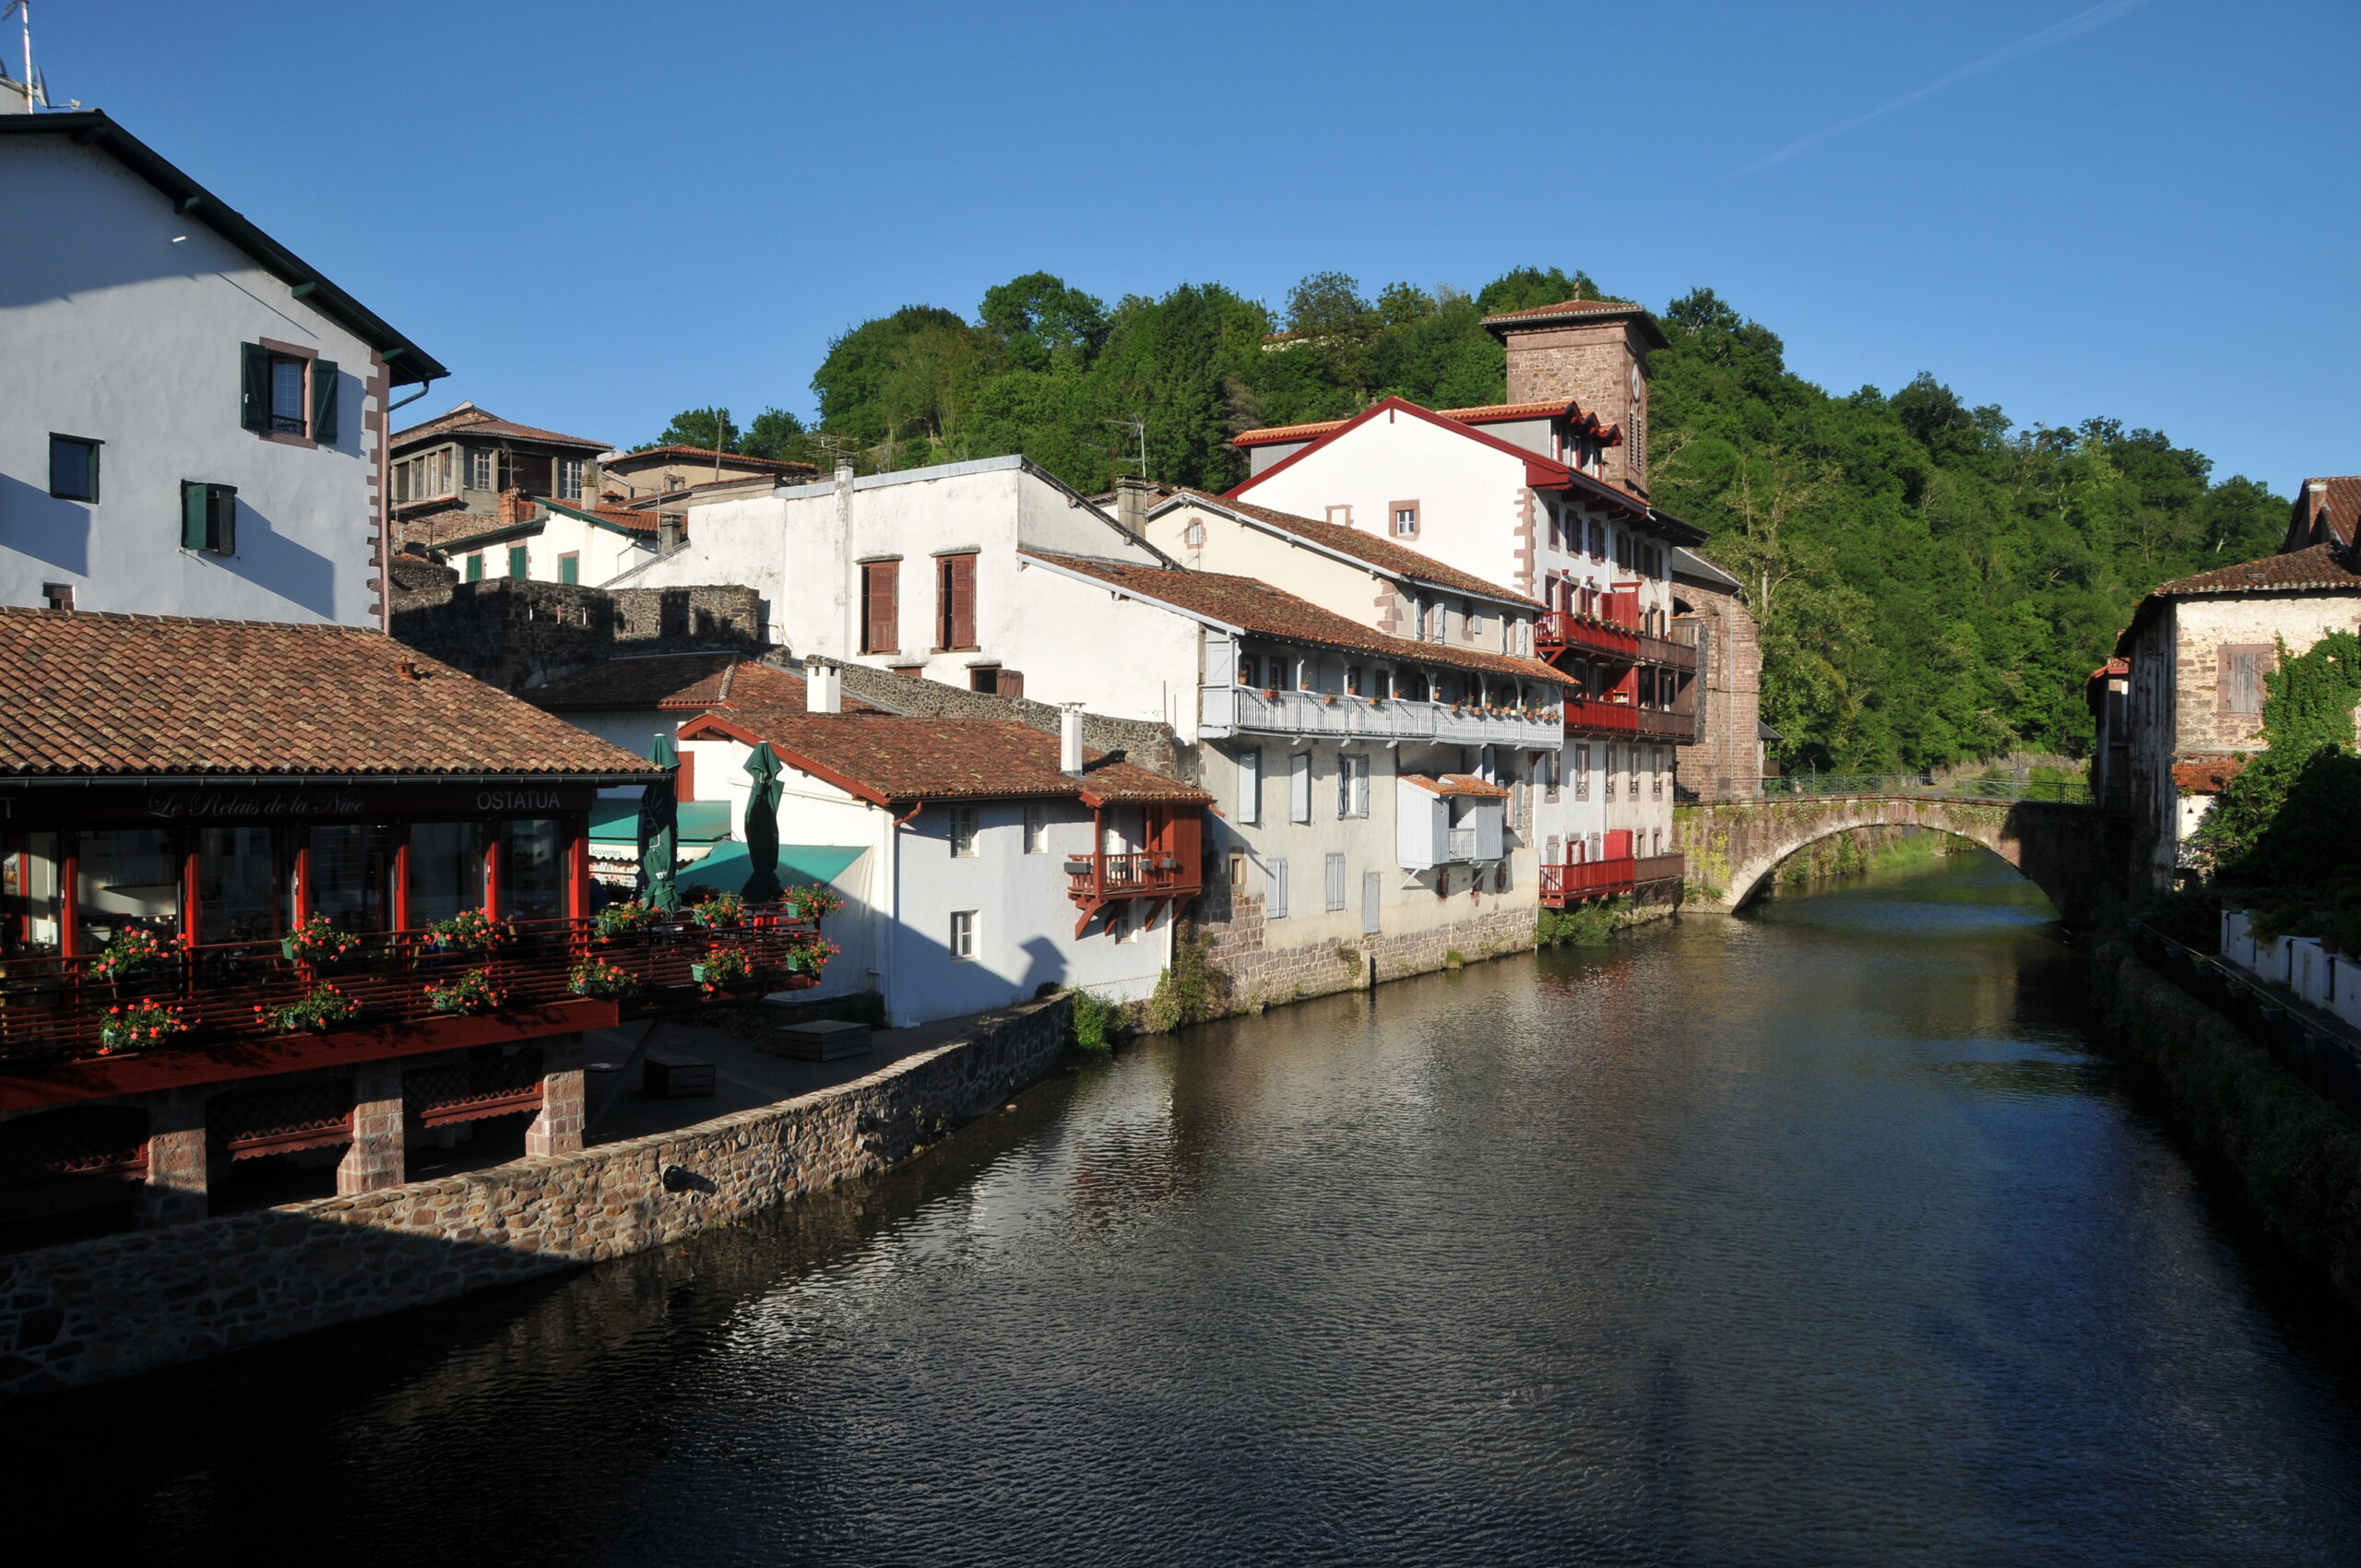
(1809, 1238)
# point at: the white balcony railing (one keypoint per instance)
(1229, 710)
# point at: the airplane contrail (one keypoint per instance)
(2081, 22)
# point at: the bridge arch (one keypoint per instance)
(1732, 847)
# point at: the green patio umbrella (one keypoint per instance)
(658, 828)
(762, 825)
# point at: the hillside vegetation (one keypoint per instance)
(1933, 582)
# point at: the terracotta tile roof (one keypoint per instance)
(467, 416)
(1455, 784)
(719, 678)
(1490, 413)
(83, 693)
(2206, 774)
(1579, 310)
(1375, 548)
(885, 758)
(2339, 496)
(1565, 307)
(1256, 606)
(625, 461)
(2314, 566)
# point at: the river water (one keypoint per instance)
(1812, 1236)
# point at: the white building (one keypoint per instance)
(192, 420)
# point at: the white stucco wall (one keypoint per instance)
(121, 320)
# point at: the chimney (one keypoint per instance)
(844, 475)
(667, 532)
(1069, 740)
(824, 685)
(515, 507)
(1133, 495)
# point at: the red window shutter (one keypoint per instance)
(684, 783)
(955, 608)
(1012, 684)
(880, 615)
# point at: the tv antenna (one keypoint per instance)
(24, 9)
(1138, 427)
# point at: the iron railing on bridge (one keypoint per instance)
(2071, 792)
(2328, 1064)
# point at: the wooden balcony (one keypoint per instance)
(1677, 651)
(1566, 631)
(1167, 872)
(54, 1011)
(1599, 715)
(1655, 724)
(1579, 882)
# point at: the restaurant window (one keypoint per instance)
(532, 878)
(352, 875)
(126, 879)
(238, 890)
(29, 883)
(446, 869)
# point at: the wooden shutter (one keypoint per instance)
(959, 607)
(221, 517)
(881, 610)
(1012, 684)
(254, 407)
(193, 515)
(324, 402)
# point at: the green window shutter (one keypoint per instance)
(324, 402)
(253, 411)
(193, 514)
(569, 568)
(221, 508)
(517, 565)
(475, 568)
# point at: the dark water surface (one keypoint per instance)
(1816, 1237)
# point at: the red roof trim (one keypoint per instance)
(1540, 472)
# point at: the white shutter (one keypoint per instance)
(1300, 788)
(1250, 787)
(1274, 902)
(1335, 871)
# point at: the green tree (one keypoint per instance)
(707, 428)
(2287, 818)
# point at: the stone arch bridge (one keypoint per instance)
(2068, 848)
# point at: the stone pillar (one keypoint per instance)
(177, 1162)
(376, 1157)
(558, 1129)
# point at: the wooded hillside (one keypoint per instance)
(1933, 582)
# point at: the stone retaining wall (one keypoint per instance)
(1263, 975)
(102, 1309)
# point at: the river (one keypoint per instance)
(1813, 1237)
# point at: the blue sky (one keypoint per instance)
(596, 213)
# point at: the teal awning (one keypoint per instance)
(725, 869)
(701, 822)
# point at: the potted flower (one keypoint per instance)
(595, 977)
(134, 949)
(629, 918)
(810, 957)
(812, 900)
(471, 992)
(320, 1009)
(316, 942)
(142, 1025)
(720, 912)
(725, 963)
(470, 931)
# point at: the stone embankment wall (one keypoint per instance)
(102, 1309)
(1259, 975)
(2298, 1159)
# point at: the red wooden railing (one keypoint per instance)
(1599, 715)
(1557, 630)
(1585, 879)
(53, 1007)
(1092, 878)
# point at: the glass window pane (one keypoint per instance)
(29, 887)
(237, 885)
(352, 874)
(446, 869)
(286, 393)
(128, 877)
(533, 879)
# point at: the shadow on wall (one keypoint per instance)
(271, 561)
(35, 523)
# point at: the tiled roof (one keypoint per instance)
(1565, 307)
(1375, 548)
(2206, 774)
(625, 461)
(85, 693)
(2314, 566)
(1455, 784)
(719, 678)
(1256, 606)
(2339, 496)
(482, 421)
(1490, 413)
(886, 757)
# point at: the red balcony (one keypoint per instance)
(55, 1012)
(1598, 716)
(1677, 651)
(1168, 871)
(1566, 631)
(1579, 882)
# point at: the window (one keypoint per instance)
(1609, 773)
(209, 518)
(1336, 883)
(963, 832)
(569, 567)
(1549, 770)
(569, 478)
(518, 563)
(237, 885)
(129, 879)
(1352, 785)
(479, 468)
(288, 393)
(1341, 515)
(351, 875)
(1250, 787)
(962, 933)
(1274, 895)
(1656, 774)
(1194, 536)
(1246, 669)
(881, 606)
(2243, 666)
(1037, 830)
(1124, 924)
(446, 861)
(1475, 622)
(533, 872)
(475, 568)
(955, 602)
(1237, 870)
(73, 468)
(1353, 681)
(1300, 787)
(57, 596)
(1405, 519)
